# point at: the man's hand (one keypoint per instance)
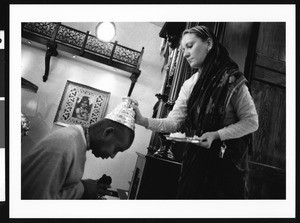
(90, 189)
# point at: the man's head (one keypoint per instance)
(108, 137)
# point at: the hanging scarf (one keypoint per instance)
(218, 80)
(206, 105)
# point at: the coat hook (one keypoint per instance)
(51, 51)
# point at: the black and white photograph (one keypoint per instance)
(174, 116)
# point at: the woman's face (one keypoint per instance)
(195, 49)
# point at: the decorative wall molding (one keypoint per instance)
(60, 37)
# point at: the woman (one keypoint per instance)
(215, 106)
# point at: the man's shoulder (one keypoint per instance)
(63, 138)
(68, 131)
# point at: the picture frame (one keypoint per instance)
(81, 105)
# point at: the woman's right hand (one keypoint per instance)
(139, 119)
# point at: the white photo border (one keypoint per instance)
(146, 208)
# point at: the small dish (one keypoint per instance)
(185, 139)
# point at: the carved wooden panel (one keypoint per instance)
(271, 41)
(270, 70)
(269, 76)
(269, 140)
(70, 39)
(267, 176)
(268, 89)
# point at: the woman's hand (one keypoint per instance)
(207, 138)
(139, 119)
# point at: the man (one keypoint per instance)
(55, 167)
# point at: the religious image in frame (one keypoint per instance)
(81, 104)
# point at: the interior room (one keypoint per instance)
(144, 61)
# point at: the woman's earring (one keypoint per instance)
(208, 49)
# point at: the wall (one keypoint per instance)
(236, 40)
(64, 67)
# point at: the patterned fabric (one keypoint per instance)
(206, 106)
(204, 175)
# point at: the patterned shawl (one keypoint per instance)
(207, 103)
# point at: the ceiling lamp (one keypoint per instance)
(105, 31)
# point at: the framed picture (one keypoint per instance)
(81, 104)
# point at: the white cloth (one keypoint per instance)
(55, 167)
(240, 115)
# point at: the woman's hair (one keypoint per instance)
(201, 31)
(217, 56)
(214, 65)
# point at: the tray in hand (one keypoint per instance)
(185, 139)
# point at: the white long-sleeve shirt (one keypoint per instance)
(55, 167)
(240, 115)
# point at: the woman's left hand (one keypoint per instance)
(207, 138)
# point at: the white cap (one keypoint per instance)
(124, 113)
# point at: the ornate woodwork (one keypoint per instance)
(59, 37)
(268, 161)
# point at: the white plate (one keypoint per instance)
(186, 139)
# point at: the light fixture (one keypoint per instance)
(105, 31)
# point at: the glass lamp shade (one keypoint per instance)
(105, 31)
